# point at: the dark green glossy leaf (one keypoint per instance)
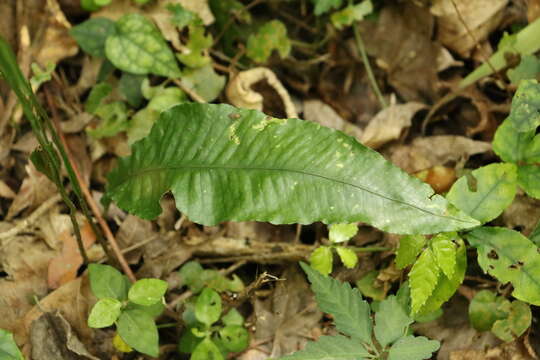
(130, 88)
(351, 313)
(509, 256)
(216, 161)
(91, 35)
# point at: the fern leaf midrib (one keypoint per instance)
(239, 168)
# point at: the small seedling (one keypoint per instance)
(321, 258)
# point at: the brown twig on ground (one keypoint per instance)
(192, 94)
(249, 290)
(90, 200)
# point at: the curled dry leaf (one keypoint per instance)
(240, 93)
(389, 124)
(319, 112)
(481, 17)
(427, 152)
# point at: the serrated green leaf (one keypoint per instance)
(444, 250)
(139, 331)
(525, 110)
(446, 287)
(518, 320)
(495, 189)
(351, 13)
(341, 232)
(347, 256)
(391, 321)
(528, 68)
(351, 313)
(413, 348)
(368, 288)
(271, 36)
(194, 55)
(91, 35)
(323, 6)
(509, 256)
(147, 291)
(206, 350)
(204, 81)
(510, 144)
(107, 282)
(423, 278)
(104, 313)
(207, 156)
(484, 310)
(138, 47)
(8, 347)
(330, 348)
(208, 307)
(409, 248)
(529, 179)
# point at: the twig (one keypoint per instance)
(192, 94)
(30, 219)
(365, 59)
(90, 199)
(248, 291)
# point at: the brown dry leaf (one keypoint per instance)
(240, 93)
(401, 42)
(390, 123)
(63, 268)
(481, 17)
(440, 178)
(522, 214)
(319, 112)
(56, 43)
(288, 319)
(135, 231)
(35, 189)
(164, 254)
(506, 351)
(53, 338)
(533, 10)
(426, 152)
(5, 191)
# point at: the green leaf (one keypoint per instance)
(139, 331)
(341, 232)
(190, 273)
(347, 256)
(153, 310)
(351, 13)
(206, 350)
(235, 338)
(8, 347)
(138, 47)
(107, 282)
(525, 110)
(233, 317)
(147, 291)
(529, 179)
(321, 259)
(509, 256)
(330, 348)
(351, 313)
(114, 119)
(413, 348)
(518, 320)
(323, 6)
(104, 313)
(484, 310)
(91, 35)
(368, 286)
(204, 81)
(40, 76)
(409, 248)
(44, 163)
(130, 88)
(215, 159)
(194, 55)
(97, 95)
(535, 234)
(271, 36)
(510, 144)
(444, 251)
(188, 341)
(208, 307)
(423, 279)
(180, 16)
(528, 68)
(391, 321)
(446, 287)
(495, 190)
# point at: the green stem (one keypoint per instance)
(372, 80)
